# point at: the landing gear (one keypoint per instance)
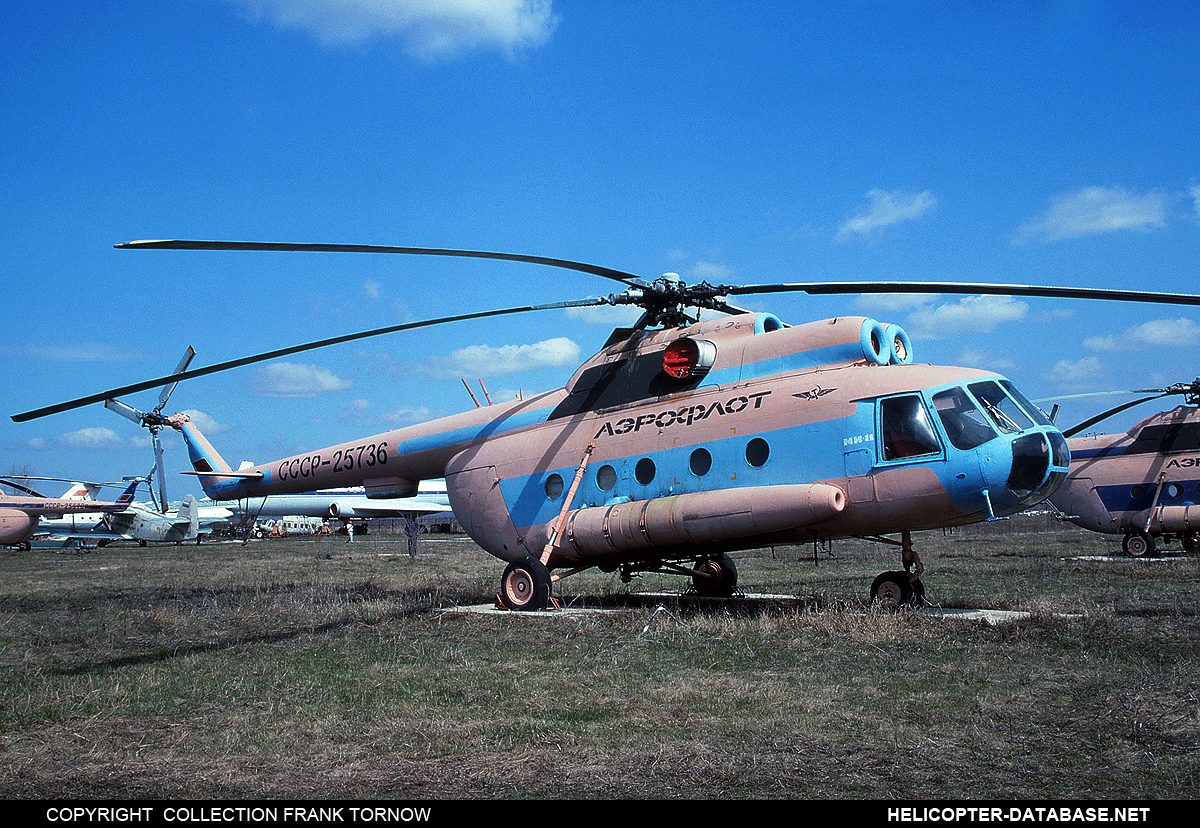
(715, 577)
(525, 585)
(891, 590)
(1138, 544)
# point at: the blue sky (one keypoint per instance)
(1026, 142)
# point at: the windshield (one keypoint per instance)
(965, 424)
(1003, 410)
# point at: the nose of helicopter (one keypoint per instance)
(1040, 461)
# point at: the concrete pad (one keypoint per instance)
(990, 616)
(645, 600)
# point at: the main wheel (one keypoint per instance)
(525, 585)
(891, 590)
(716, 577)
(1138, 544)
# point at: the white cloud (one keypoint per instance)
(885, 209)
(430, 29)
(1095, 210)
(1194, 192)
(971, 314)
(204, 422)
(407, 415)
(1157, 333)
(285, 379)
(608, 316)
(1078, 374)
(79, 352)
(487, 361)
(90, 438)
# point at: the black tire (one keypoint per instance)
(1138, 544)
(892, 590)
(718, 579)
(525, 585)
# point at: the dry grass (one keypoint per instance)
(311, 668)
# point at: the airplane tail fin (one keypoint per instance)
(127, 495)
(189, 514)
(81, 491)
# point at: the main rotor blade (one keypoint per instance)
(21, 488)
(968, 288)
(237, 363)
(1086, 424)
(185, 244)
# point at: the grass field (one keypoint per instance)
(313, 668)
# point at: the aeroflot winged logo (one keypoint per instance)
(683, 416)
(816, 393)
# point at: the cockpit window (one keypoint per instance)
(1036, 413)
(906, 429)
(1001, 408)
(965, 424)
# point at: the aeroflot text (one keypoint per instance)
(1015, 814)
(240, 814)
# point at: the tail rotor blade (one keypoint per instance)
(179, 369)
(126, 411)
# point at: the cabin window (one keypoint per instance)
(554, 487)
(643, 472)
(906, 429)
(965, 424)
(606, 478)
(700, 462)
(757, 452)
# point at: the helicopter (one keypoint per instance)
(684, 440)
(1143, 484)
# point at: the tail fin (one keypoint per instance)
(127, 495)
(205, 459)
(189, 515)
(81, 491)
(209, 466)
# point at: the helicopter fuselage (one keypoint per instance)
(728, 434)
(1144, 482)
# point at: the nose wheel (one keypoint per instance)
(891, 590)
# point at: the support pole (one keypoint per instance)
(561, 522)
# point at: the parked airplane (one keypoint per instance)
(20, 514)
(348, 503)
(139, 522)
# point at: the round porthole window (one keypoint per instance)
(606, 478)
(757, 452)
(701, 462)
(554, 487)
(644, 471)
